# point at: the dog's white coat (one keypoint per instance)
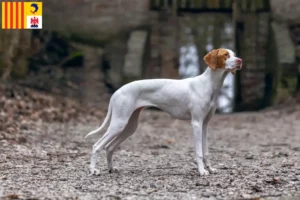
(192, 99)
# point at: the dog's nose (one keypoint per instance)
(239, 61)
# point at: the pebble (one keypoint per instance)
(206, 194)
(206, 183)
(246, 196)
(249, 156)
(35, 173)
(296, 148)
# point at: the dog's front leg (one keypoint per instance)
(198, 137)
(205, 149)
(205, 143)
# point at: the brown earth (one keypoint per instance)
(257, 156)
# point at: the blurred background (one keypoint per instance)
(88, 48)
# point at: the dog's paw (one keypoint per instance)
(212, 170)
(203, 172)
(94, 172)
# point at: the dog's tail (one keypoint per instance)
(104, 124)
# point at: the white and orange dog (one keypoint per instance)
(192, 99)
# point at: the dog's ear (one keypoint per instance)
(216, 58)
(211, 59)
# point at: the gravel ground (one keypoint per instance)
(257, 156)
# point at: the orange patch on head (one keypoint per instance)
(216, 58)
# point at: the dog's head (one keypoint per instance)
(223, 59)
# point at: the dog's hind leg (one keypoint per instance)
(119, 119)
(127, 132)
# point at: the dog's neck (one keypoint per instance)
(216, 79)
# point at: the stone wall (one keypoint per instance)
(285, 24)
(95, 19)
(163, 58)
(252, 35)
(295, 33)
(285, 10)
(134, 66)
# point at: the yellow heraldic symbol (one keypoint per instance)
(33, 11)
(21, 15)
(35, 8)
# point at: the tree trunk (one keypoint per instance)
(14, 51)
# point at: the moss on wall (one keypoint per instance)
(97, 41)
(20, 69)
